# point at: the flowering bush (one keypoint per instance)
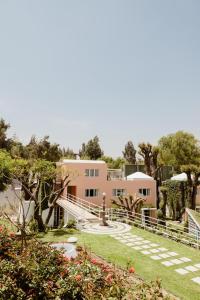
(41, 272)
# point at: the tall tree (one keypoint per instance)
(5, 169)
(113, 163)
(180, 148)
(193, 174)
(3, 128)
(91, 150)
(43, 149)
(68, 153)
(129, 153)
(150, 155)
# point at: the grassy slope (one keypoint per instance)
(148, 269)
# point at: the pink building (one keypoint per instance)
(89, 179)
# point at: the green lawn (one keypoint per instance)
(148, 269)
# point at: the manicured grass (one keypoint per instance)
(119, 254)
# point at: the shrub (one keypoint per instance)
(42, 272)
(71, 224)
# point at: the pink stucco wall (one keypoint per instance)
(77, 168)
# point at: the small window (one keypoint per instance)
(144, 192)
(118, 192)
(91, 172)
(91, 193)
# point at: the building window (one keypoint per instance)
(118, 192)
(92, 172)
(144, 192)
(91, 193)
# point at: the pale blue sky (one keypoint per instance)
(117, 69)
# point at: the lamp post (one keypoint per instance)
(104, 223)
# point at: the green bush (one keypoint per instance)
(40, 272)
(71, 224)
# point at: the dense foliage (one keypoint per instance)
(129, 153)
(41, 272)
(177, 195)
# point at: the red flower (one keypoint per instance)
(94, 261)
(78, 277)
(109, 278)
(12, 234)
(131, 270)
(1, 228)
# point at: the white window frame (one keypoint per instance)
(91, 172)
(91, 193)
(144, 191)
(118, 192)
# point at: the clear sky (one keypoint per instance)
(120, 69)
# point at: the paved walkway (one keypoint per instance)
(113, 228)
(158, 253)
(120, 231)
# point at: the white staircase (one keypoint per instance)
(80, 209)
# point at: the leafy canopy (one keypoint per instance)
(180, 148)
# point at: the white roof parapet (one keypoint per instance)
(139, 175)
(82, 161)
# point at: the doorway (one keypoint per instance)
(71, 190)
(58, 216)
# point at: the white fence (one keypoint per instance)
(178, 233)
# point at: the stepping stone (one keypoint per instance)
(146, 242)
(123, 241)
(138, 243)
(145, 252)
(185, 259)
(129, 244)
(197, 266)
(139, 239)
(176, 261)
(154, 245)
(191, 268)
(167, 263)
(182, 271)
(154, 251)
(137, 248)
(156, 257)
(162, 249)
(145, 247)
(163, 255)
(173, 253)
(196, 279)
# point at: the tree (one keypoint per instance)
(180, 148)
(38, 182)
(5, 169)
(193, 174)
(129, 153)
(91, 150)
(113, 163)
(43, 149)
(132, 204)
(3, 138)
(150, 155)
(68, 153)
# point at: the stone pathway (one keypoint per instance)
(113, 228)
(146, 247)
(120, 232)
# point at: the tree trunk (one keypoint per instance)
(193, 197)
(49, 215)
(38, 218)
